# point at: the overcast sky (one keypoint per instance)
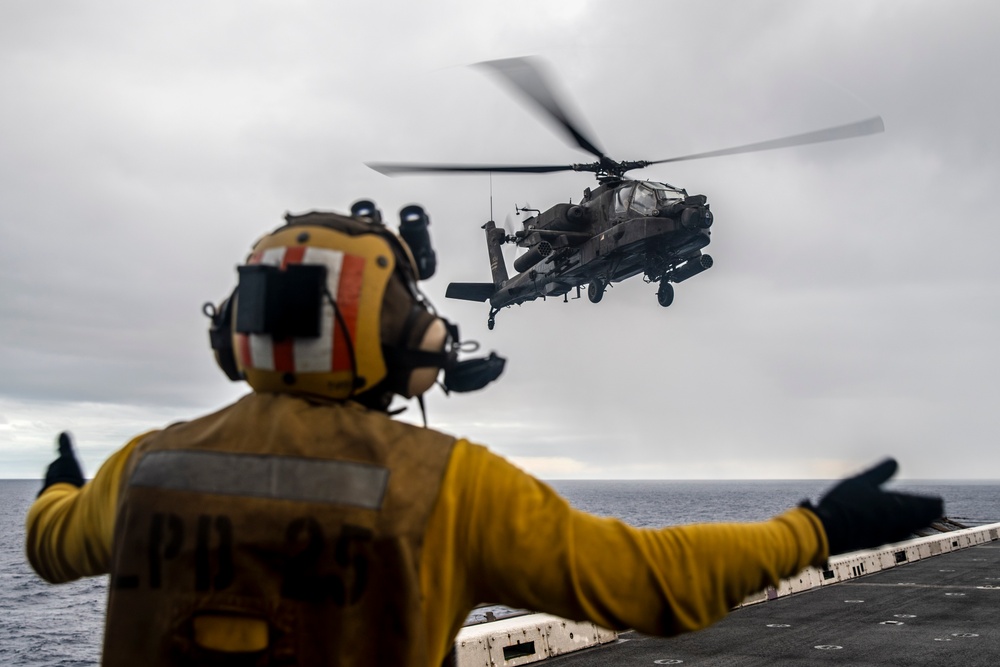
(852, 311)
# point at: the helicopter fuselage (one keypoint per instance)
(621, 229)
(618, 231)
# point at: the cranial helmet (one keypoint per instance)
(327, 305)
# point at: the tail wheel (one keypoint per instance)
(665, 295)
(595, 291)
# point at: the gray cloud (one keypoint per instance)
(851, 312)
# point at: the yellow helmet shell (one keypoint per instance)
(346, 358)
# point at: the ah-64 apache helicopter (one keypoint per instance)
(620, 229)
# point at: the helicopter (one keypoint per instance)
(618, 230)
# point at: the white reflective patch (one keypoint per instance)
(315, 355)
(273, 256)
(261, 351)
(259, 476)
(261, 346)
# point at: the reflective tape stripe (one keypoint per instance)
(315, 355)
(278, 477)
(330, 350)
(348, 302)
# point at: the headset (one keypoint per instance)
(286, 302)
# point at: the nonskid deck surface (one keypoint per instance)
(942, 611)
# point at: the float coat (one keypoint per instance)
(294, 528)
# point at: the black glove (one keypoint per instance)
(65, 469)
(857, 514)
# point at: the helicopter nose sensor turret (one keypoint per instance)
(698, 217)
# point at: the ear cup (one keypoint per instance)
(220, 335)
(422, 378)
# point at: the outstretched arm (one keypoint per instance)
(524, 546)
(528, 548)
(70, 526)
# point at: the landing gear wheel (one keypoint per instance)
(665, 295)
(595, 291)
(490, 323)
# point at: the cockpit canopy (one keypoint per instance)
(645, 197)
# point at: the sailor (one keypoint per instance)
(304, 525)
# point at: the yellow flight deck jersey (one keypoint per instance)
(498, 535)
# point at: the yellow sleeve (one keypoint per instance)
(70, 530)
(513, 540)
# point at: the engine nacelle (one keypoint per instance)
(563, 218)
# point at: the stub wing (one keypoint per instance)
(470, 291)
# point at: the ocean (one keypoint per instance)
(45, 625)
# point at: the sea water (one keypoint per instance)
(42, 624)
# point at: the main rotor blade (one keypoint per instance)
(525, 75)
(393, 168)
(858, 129)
